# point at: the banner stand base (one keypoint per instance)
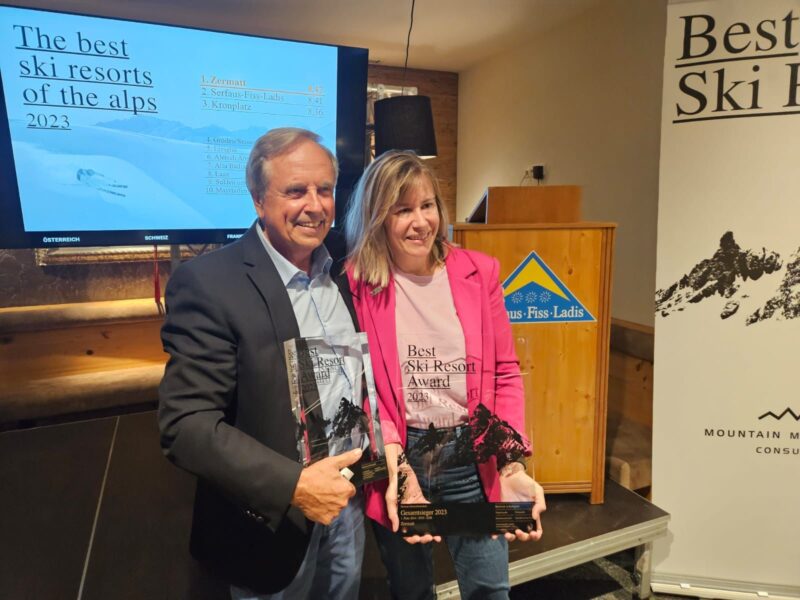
(720, 589)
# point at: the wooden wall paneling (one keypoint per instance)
(83, 396)
(630, 392)
(76, 358)
(70, 351)
(630, 405)
(633, 339)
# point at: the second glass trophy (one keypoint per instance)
(334, 402)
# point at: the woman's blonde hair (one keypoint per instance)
(382, 185)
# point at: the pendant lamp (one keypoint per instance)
(405, 122)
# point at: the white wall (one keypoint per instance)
(585, 100)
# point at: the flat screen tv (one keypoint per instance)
(117, 132)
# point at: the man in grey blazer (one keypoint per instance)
(261, 521)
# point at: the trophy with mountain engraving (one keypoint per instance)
(485, 437)
(448, 440)
(334, 402)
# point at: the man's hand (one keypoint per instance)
(411, 492)
(321, 491)
(517, 486)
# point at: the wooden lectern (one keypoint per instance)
(528, 204)
(564, 364)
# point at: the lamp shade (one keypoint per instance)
(405, 123)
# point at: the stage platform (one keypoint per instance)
(576, 532)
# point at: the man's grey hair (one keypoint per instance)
(275, 143)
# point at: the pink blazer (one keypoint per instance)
(478, 299)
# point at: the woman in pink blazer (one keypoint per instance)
(443, 355)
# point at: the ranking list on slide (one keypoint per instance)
(237, 95)
(226, 159)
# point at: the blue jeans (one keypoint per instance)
(481, 563)
(332, 565)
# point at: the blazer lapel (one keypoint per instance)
(262, 272)
(380, 310)
(467, 298)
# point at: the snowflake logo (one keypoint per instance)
(545, 296)
(516, 297)
(530, 297)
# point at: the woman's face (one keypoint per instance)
(411, 228)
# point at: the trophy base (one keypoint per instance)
(367, 471)
(455, 518)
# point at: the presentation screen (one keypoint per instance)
(117, 132)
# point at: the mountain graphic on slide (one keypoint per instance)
(788, 411)
(721, 275)
(175, 130)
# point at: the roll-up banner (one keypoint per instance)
(726, 437)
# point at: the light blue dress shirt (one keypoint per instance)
(317, 303)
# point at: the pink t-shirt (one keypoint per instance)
(430, 345)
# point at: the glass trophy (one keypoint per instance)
(334, 402)
(446, 446)
(485, 436)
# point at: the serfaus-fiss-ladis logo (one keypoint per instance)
(533, 294)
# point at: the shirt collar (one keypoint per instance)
(321, 261)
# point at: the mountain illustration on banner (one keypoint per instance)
(729, 276)
(533, 294)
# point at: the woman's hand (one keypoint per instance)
(403, 485)
(517, 486)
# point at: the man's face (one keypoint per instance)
(297, 208)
